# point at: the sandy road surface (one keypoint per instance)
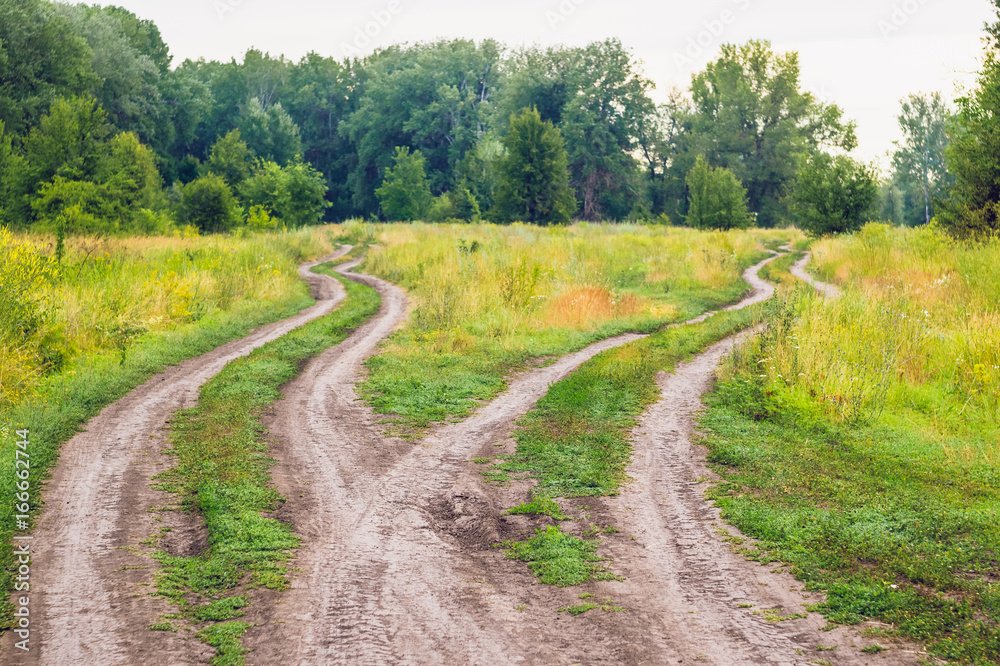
(799, 271)
(89, 602)
(397, 563)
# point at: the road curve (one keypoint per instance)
(89, 595)
(381, 575)
(700, 582)
(799, 271)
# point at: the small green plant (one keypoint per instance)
(874, 649)
(540, 506)
(580, 609)
(560, 559)
(163, 626)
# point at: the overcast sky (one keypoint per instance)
(864, 55)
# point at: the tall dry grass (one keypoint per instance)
(108, 292)
(506, 280)
(917, 334)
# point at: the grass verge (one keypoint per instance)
(861, 514)
(576, 442)
(223, 473)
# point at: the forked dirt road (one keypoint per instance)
(89, 601)
(399, 565)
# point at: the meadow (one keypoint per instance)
(858, 438)
(489, 300)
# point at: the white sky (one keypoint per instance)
(865, 55)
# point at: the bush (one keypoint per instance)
(209, 205)
(718, 199)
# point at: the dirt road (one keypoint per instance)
(88, 597)
(799, 271)
(397, 563)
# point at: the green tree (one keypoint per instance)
(209, 204)
(130, 172)
(718, 199)
(920, 175)
(432, 97)
(230, 158)
(973, 156)
(600, 101)
(302, 195)
(320, 94)
(534, 177)
(405, 194)
(128, 80)
(270, 133)
(750, 115)
(41, 59)
(79, 207)
(833, 194)
(68, 141)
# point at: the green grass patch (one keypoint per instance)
(540, 506)
(871, 514)
(560, 559)
(225, 638)
(223, 473)
(579, 609)
(577, 440)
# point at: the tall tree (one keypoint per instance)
(270, 133)
(919, 161)
(534, 174)
(429, 97)
(405, 194)
(41, 59)
(600, 101)
(320, 94)
(230, 158)
(128, 88)
(833, 194)
(718, 200)
(973, 156)
(751, 116)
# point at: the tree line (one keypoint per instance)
(100, 131)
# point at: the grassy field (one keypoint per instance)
(79, 334)
(488, 300)
(858, 438)
(223, 473)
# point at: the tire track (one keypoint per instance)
(90, 601)
(700, 583)
(799, 271)
(383, 578)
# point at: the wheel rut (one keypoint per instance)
(397, 563)
(90, 587)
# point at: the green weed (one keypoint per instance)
(560, 559)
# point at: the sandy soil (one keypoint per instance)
(90, 599)
(799, 271)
